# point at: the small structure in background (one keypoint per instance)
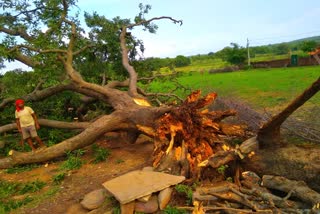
(316, 54)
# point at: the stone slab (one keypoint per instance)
(137, 184)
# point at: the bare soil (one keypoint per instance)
(124, 158)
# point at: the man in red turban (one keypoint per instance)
(27, 123)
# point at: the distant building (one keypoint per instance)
(315, 54)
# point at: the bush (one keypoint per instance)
(181, 61)
(74, 160)
(100, 154)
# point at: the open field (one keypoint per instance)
(261, 88)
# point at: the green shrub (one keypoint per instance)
(100, 154)
(73, 162)
(222, 169)
(181, 188)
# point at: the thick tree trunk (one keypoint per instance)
(269, 133)
(49, 123)
(88, 136)
(118, 120)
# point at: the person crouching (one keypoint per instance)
(27, 124)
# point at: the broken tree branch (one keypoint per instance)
(269, 133)
(299, 188)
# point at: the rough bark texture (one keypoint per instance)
(118, 120)
(297, 188)
(50, 123)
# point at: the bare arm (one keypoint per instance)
(18, 124)
(35, 120)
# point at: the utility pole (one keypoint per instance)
(248, 52)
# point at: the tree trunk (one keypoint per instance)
(269, 133)
(118, 120)
(49, 123)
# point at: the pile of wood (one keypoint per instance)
(255, 195)
(190, 139)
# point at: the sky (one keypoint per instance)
(210, 25)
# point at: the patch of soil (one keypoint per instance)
(124, 158)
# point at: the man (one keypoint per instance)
(27, 124)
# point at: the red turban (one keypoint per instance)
(18, 102)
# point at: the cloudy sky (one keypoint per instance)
(209, 25)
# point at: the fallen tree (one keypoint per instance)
(187, 138)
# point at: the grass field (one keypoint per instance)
(261, 88)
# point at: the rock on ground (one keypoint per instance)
(164, 197)
(76, 209)
(127, 208)
(149, 207)
(94, 199)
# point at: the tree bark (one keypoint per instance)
(88, 136)
(49, 123)
(269, 133)
(297, 188)
(118, 120)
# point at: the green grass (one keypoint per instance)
(186, 190)
(173, 210)
(73, 161)
(261, 88)
(100, 154)
(10, 189)
(58, 178)
(23, 168)
(203, 65)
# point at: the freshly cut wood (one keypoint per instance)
(296, 188)
(194, 134)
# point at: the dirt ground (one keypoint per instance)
(124, 158)
(300, 162)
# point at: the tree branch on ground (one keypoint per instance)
(269, 133)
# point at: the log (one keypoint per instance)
(298, 188)
(269, 133)
(50, 123)
(274, 200)
(220, 158)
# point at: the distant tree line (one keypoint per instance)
(233, 54)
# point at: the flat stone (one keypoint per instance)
(76, 209)
(164, 197)
(94, 199)
(127, 208)
(137, 184)
(149, 207)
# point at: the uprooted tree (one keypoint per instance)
(44, 36)
(60, 50)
